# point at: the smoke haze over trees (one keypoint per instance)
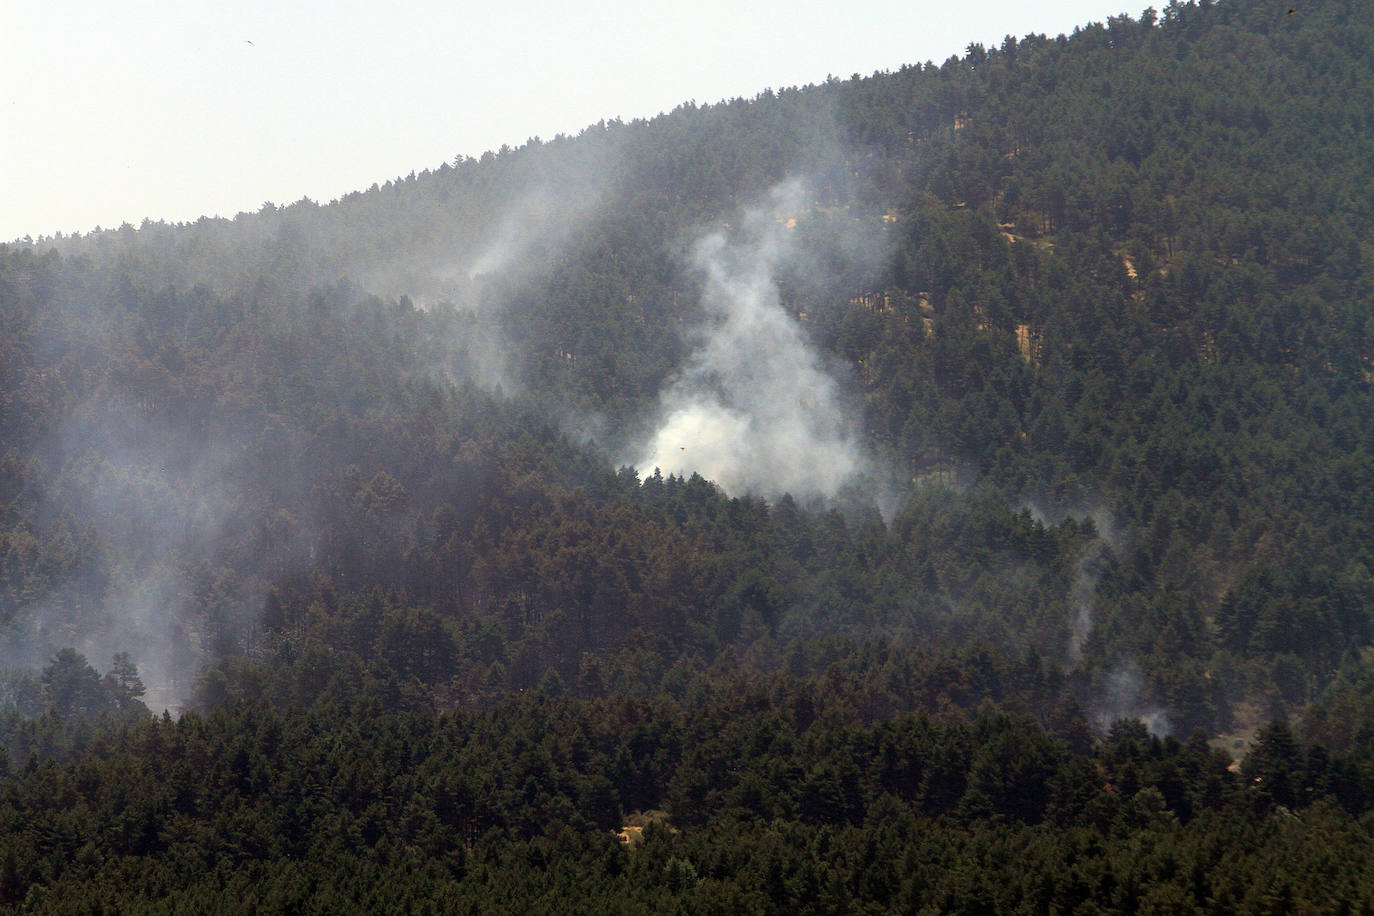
(948, 453)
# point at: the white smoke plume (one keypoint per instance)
(1123, 695)
(1122, 691)
(754, 408)
(162, 508)
(1088, 568)
(543, 217)
(1083, 596)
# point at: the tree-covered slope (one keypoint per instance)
(1052, 364)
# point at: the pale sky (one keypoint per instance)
(120, 110)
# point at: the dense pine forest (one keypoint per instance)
(944, 490)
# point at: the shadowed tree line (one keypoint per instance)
(342, 479)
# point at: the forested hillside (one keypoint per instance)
(887, 494)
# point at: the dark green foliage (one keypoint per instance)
(348, 805)
(72, 687)
(1115, 349)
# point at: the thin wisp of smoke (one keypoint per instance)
(1122, 694)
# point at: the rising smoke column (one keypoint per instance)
(1122, 693)
(1083, 595)
(754, 408)
(174, 549)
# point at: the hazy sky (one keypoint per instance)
(111, 112)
